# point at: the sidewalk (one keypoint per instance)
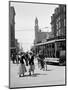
(55, 75)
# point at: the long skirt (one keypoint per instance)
(32, 67)
(22, 69)
(42, 64)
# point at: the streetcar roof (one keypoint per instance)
(47, 42)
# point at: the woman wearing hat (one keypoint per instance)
(41, 59)
(31, 63)
(22, 68)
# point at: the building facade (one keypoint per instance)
(17, 45)
(55, 45)
(39, 35)
(12, 28)
(58, 22)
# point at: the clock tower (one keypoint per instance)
(36, 30)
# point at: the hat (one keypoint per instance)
(40, 52)
(31, 52)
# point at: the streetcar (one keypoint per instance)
(53, 50)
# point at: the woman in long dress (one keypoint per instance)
(31, 63)
(22, 68)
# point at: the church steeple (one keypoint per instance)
(36, 22)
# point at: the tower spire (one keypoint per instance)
(36, 21)
(36, 30)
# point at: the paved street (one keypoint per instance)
(55, 75)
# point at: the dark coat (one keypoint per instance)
(22, 59)
(31, 61)
(41, 56)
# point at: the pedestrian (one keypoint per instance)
(19, 57)
(45, 62)
(22, 68)
(31, 63)
(41, 60)
(13, 58)
(38, 60)
(26, 58)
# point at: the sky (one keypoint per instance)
(25, 21)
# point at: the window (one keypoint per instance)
(58, 19)
(59, 24)
(64, 8)
(58, 32)
(64, 22)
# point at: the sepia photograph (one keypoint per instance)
(37, 44)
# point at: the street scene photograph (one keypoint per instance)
(37, 44)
